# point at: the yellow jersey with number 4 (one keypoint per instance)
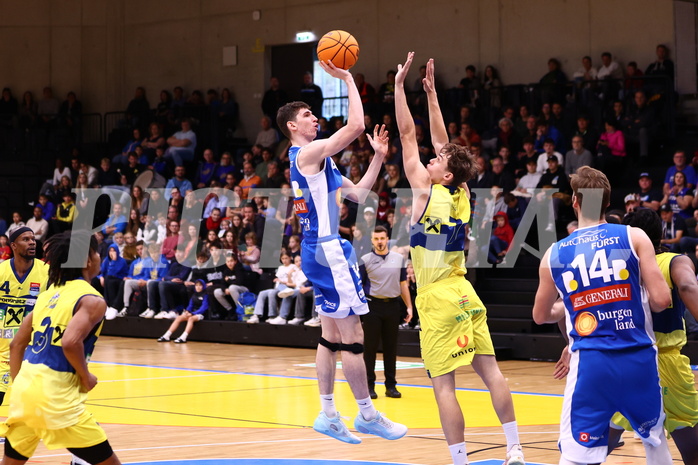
(17, 299)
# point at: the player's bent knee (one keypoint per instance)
(13, 454)
(355, 348)
(94, 454)
(333, 346)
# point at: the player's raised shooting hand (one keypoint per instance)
(333, 71)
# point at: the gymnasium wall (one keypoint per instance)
(103, 49)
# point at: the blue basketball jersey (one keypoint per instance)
(317, 198)
(597, 274)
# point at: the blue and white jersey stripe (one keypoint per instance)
(316, 197)
(597, 274)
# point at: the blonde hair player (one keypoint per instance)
(609, 280)
(452, 317)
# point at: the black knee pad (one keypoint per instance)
(94, 454)
(333, 346)
(13, 454)
(354, 348)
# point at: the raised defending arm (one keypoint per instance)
(439, 135)
(416, 173)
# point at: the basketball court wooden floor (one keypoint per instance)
(221, 404)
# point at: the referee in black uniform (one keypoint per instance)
(385, 281)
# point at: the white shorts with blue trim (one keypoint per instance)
(601, 383)
(330, 265)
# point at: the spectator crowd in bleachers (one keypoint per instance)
(525, 138)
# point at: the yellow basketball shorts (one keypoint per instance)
(85, 433)
(454, 325)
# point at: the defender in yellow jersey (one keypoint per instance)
(675, 376)
(22, 279)
(48, 362)
(452, 317)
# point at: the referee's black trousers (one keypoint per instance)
(381, 323)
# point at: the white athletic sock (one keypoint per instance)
(511, 432)
(368, 411)
(459, 453)
(564, 461)
(167, 334)
(327, 402)
(78, 461)
(658, 455)
(184, 336)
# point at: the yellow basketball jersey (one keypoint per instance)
(437, 240)
(669, 328)
(17, 299)
(46, 393)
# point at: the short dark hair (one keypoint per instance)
(288, 113)
(649, 221)
(606, 54)
(380, 229)
(470, 68)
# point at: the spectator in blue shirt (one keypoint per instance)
(680, 164)
(162, 292)
(113, 271)
(207, 169)
(179, 181)
(116, 222)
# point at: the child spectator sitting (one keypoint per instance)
(159, 164)
(283, 274)
(65, 214)
(195, 311)
(502, 236)
(295, 281)
(5, 250)
(130, 252)
(251, 255)
(383, 207)
(233, 276)
(149, 233)
(119, 241)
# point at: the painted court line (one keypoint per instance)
(421, 386)
(162, 377)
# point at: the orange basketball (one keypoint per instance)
(340, 48)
